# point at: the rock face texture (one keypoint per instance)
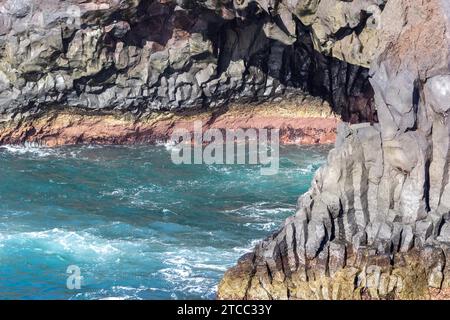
(376, 221)
(136, 57)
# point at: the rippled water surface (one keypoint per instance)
(137, 226)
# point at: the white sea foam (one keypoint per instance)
(189, 269)
(248, 248)
(268, 226)
(210, 267)
(32, 149)
(35, 150)
(222, 169)
(261, 209)
(124, 293)
(170, 146)
(113, 293)
(140, 196)
(59, 241)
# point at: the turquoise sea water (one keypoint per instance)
(137, 226)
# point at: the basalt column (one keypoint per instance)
(375, 223)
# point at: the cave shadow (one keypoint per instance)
(344, 86)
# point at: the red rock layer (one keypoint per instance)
(297, 125)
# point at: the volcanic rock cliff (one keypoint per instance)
(375, 223)
(122, 71)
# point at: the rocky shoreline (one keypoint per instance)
(375, 223)
(304, 121)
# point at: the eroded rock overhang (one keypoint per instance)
(140, 56)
